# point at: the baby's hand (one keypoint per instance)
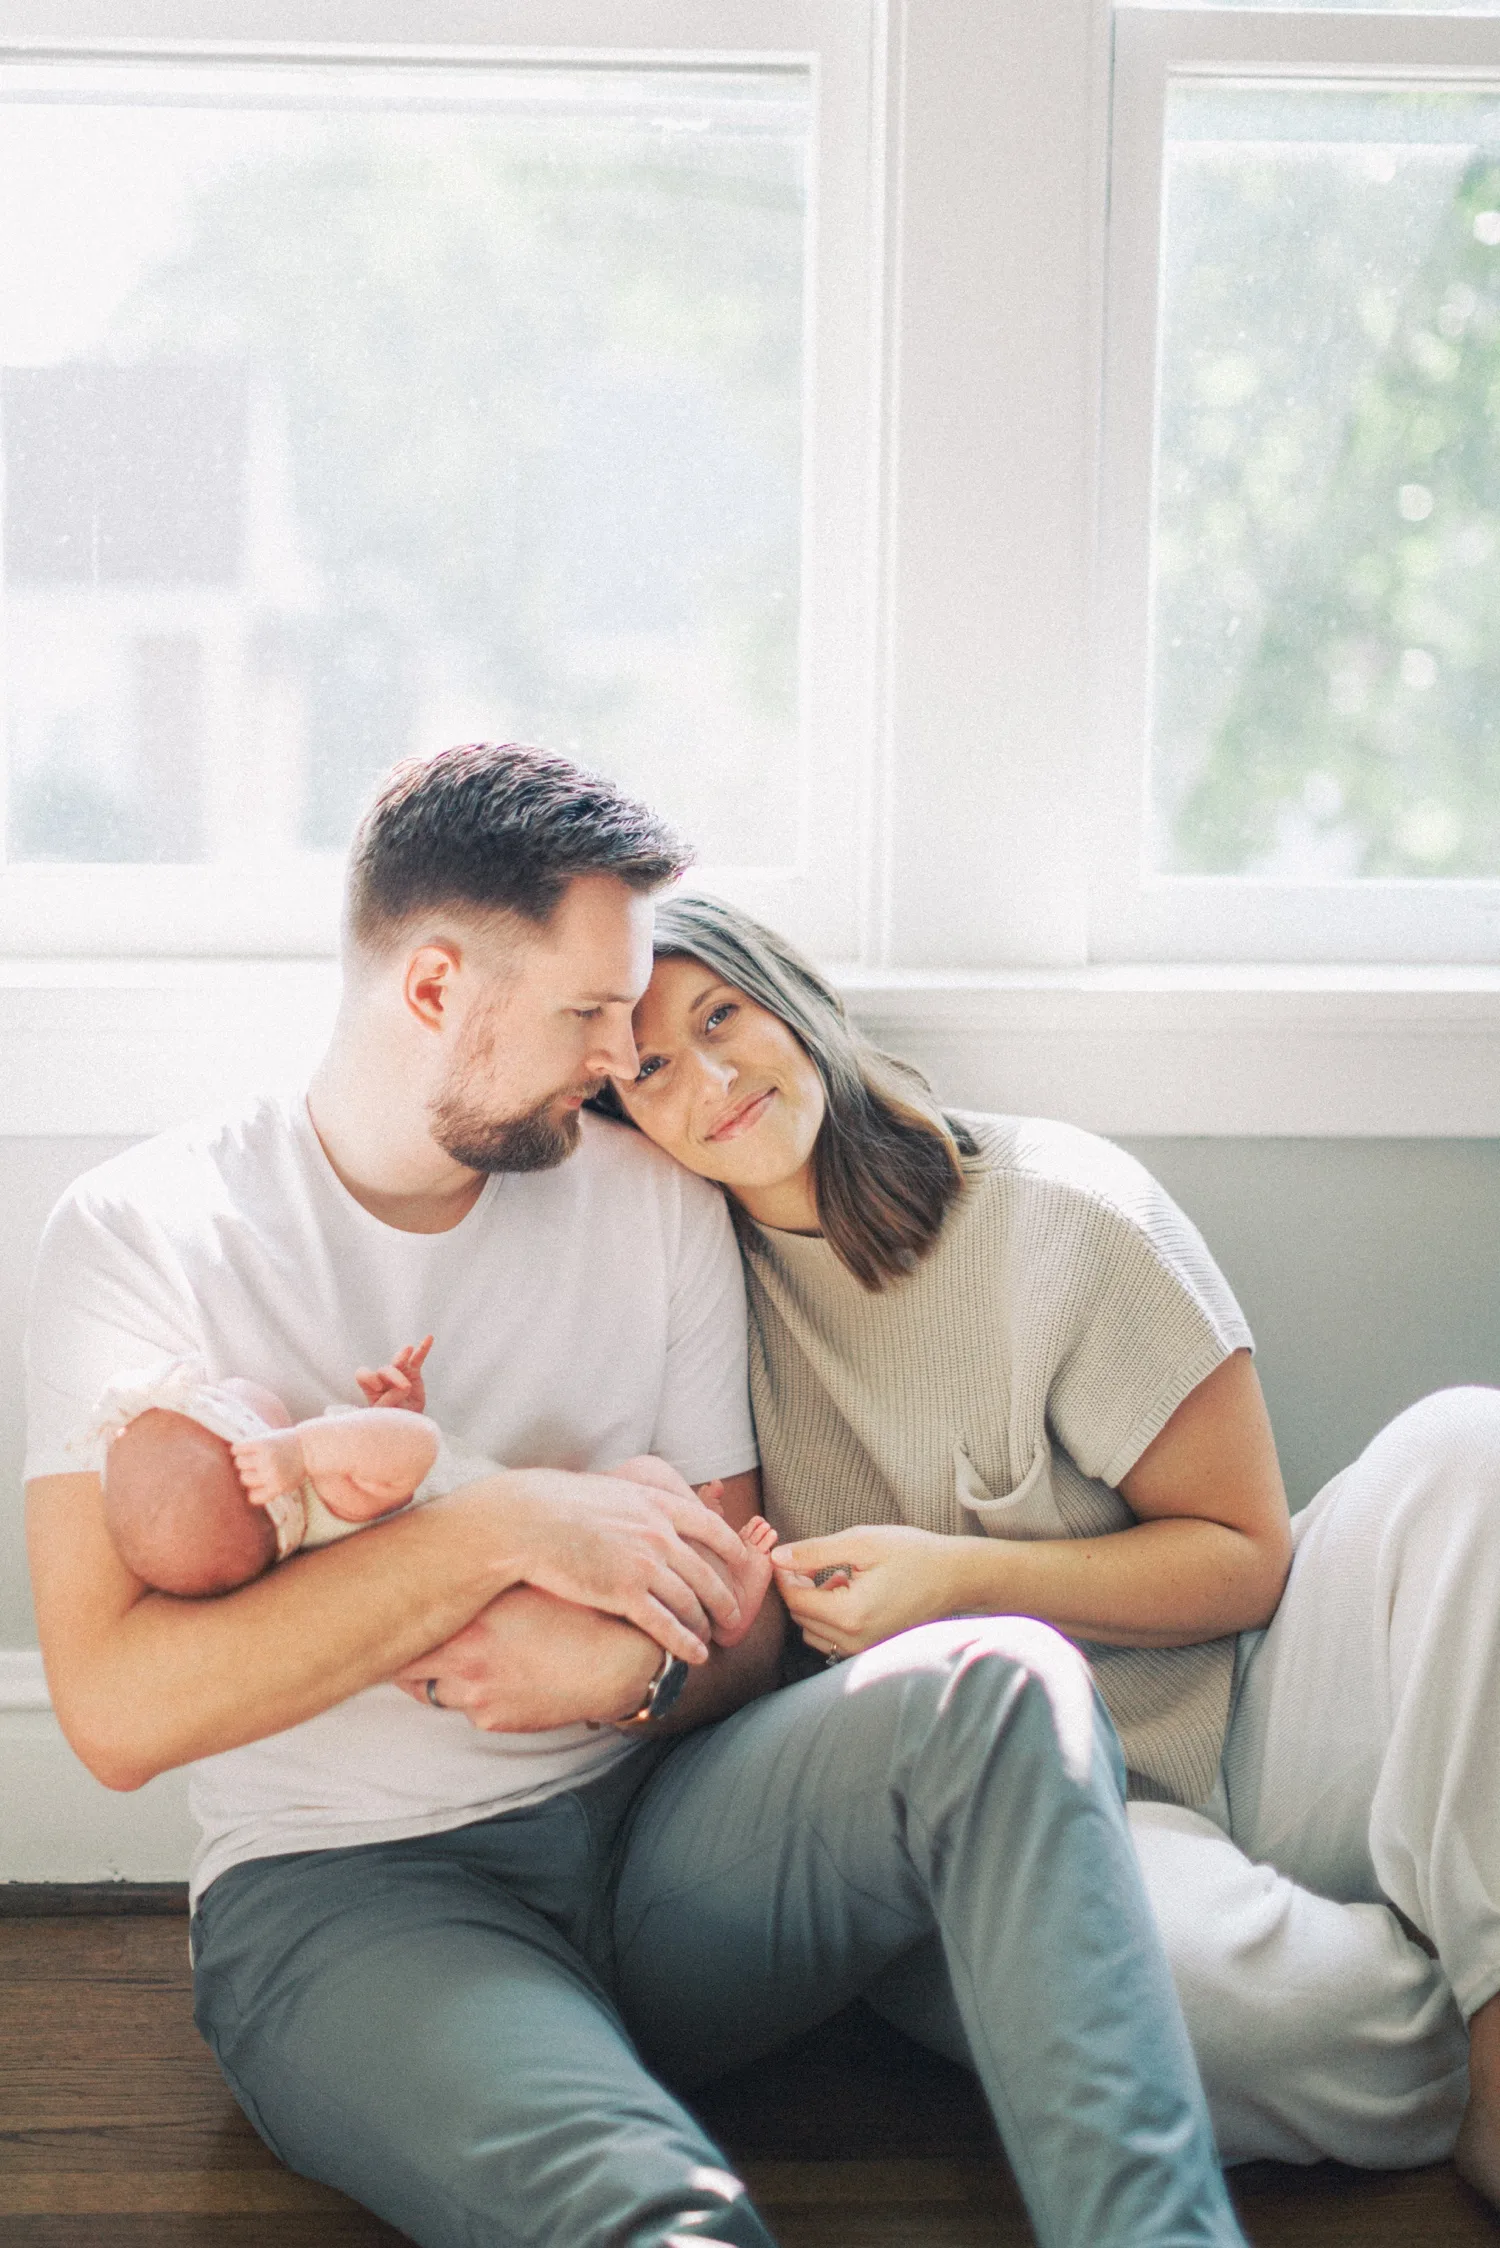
(399, 1383)
(271, 1466)
(757, 1537)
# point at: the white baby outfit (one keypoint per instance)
(300, 1518)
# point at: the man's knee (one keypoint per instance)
(1008, 1677)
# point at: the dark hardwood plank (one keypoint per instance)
(116, 2131)
(350, 2228)
(88, 1899)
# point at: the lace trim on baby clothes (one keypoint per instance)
(174, 1385)
(288, 1515)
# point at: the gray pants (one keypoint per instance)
(468, 2031)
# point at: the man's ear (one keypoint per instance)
(427, 987)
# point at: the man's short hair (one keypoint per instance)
(498, 828)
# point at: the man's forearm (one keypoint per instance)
(142, 1682)
(530, 1663)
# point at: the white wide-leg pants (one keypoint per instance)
(1361, 1773)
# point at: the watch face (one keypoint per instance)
(668, 1687)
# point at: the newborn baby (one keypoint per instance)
(206, 1484)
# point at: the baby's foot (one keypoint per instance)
(271, 1469)
(757, 1537)
(270, 1466)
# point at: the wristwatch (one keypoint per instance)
(660, 1696)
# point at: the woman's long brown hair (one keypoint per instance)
(888, 1165)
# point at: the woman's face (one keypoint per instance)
(727, 1089)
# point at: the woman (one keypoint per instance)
(996, 1370)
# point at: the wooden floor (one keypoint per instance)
(116, 2130)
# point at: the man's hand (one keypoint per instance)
(630, 1549)
(530, 1662)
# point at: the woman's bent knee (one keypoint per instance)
(1451, 1427)
(1432, 1473)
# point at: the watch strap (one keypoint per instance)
(660, 1695)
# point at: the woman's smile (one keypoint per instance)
(743, 1117)
(725, 1087)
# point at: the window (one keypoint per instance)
(363, 399)
(981, 797)
(1302, 498)
(934, 429)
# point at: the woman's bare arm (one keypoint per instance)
(1208, 1556)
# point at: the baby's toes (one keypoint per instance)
(758, 1534)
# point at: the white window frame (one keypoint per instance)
(821, 892)
(977, 235)
(1136, 915)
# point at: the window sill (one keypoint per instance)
(125, 1047)
(1252, 1052)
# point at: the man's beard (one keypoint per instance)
(537, 1141)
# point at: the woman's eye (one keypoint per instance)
(648, 1069)
(718, 1015)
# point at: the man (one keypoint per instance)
(436, 1933)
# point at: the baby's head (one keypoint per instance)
(173, 1500)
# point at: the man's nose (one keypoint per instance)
(615, 1052)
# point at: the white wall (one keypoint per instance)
(1369, 1269)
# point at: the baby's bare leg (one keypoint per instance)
(366, 1464)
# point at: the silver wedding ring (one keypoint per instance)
(431, 1692)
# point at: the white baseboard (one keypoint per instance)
(56, 1822)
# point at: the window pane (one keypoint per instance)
(350, 413)
(1327, 554)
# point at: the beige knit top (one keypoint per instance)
(1005, 1388)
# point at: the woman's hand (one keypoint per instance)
(880, 1579)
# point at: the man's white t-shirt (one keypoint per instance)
(581, 1315)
